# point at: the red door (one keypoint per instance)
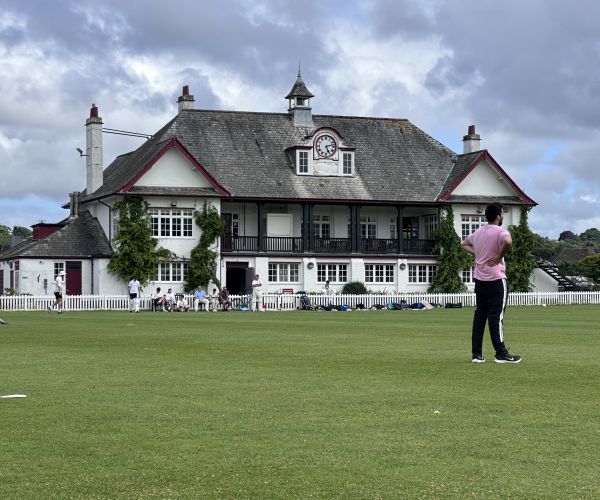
(73, 280)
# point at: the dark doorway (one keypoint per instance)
(239, 277)
(73, 280)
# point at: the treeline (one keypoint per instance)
(575, 254)
(7, 234)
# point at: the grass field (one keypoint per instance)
(298, 405)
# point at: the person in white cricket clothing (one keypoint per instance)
(134, 291)
(257, 294)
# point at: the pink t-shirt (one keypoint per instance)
(486, 242)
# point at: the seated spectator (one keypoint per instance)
(224, 299)
(158, 300)
(213, 300)
(327, 290)
(169, 301)
(200, 299)
(182, 304)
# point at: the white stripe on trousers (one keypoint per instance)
(504, 299)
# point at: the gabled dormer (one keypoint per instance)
(299, 103)
(323, 153)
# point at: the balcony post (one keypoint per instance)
(400, 230)
(307, 213)
(261, 226)
(354, 228)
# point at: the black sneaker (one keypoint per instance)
(507, 357)
(478, 359)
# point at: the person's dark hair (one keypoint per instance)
(492, 211)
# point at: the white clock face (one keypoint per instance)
(326, 146)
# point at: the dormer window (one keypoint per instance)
(303, 162)
(347, 163)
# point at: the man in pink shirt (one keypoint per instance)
(489, 244)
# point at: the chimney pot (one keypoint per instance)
(471, 141)
(94, 111)
(186, 90)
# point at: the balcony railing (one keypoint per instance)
(282, 244)
(331, 245)
(372, 246)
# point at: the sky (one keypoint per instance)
(524, 72)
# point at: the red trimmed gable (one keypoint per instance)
(175, 144)
(485, 155)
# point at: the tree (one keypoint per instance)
(21, 232)
(567, 235)
(519, 263)
(545, 247)
(453, 259)
(202, 265)
(5, 238)
(591, 234)
(136, 253)
(590, 268)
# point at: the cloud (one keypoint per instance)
(521, 71)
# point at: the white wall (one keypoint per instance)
(542, 281)
(484, 180)
(173, 170)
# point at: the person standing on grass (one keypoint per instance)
(257, 294)
(134, 290)
(59, 286)
(489, 244)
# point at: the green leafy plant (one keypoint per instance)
(202, 266)
(354, 288)
(519, 263)
(453, 259)
(136, 253)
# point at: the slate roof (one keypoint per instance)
(246, 153)
(299, 90)
(80, 237)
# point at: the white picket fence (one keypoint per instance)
(288, 302)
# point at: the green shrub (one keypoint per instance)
(354, 288)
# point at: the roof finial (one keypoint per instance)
(299, 72)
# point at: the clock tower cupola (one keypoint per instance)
(299, 103)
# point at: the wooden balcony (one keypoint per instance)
(330, 246)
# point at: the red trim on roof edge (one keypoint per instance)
(174, 143)
(485, 155)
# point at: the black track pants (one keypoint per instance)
(491, 297)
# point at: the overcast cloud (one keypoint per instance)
(524, 72)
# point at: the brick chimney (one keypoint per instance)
(471, 141)
(93, 150)
(185, 101)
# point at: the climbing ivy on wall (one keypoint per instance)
(136, 253)
(203, 265)
(453, 259)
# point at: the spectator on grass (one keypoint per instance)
(158, 300)
(182, 304)
(489, 244)
(213, 300)
(200, 299)
(170, 300)
(224, 299)
(327, 290)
